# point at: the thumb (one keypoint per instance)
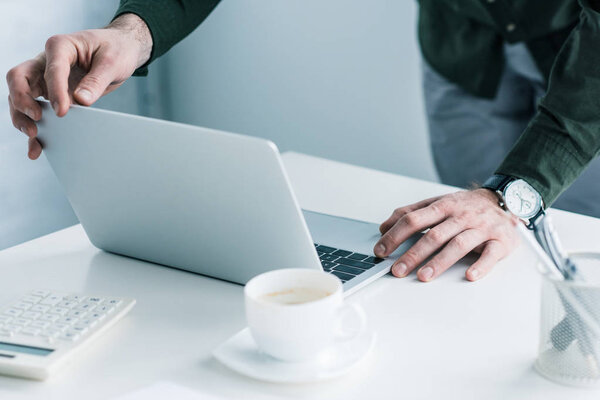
(94, 83)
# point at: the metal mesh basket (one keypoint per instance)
(569, 349)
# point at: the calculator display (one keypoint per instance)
(17, 348)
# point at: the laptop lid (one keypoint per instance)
(192, 198)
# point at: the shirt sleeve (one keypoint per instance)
(169, 21)
(564, 136)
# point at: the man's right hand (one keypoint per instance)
(76, 68)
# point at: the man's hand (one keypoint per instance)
(76, 68)
(459, 223)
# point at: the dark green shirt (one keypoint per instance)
(462, 40)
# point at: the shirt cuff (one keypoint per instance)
(545, 157)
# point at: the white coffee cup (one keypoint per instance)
(296, 314)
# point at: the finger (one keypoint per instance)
(21, 121)
(96, 81)
(456, 249)
(35, 148)
(402, 211)
(61, 54)
(407, 226)
(21, 94)
(433, 240)
(493, 252)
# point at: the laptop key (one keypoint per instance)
(358, 256)
(350, 270)
(373, 260)
(354, 263)
(329, 257)
(341, 253)
(328, 264)
(326, 249)
(342, 275)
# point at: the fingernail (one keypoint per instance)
(24, 130)
(55, 106)
(400, 269)
(426, 273)
(85, 95)
(29, 113)
(474, 274)
(380, 250)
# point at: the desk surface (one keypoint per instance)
(444, 339)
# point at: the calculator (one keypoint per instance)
(43, 329)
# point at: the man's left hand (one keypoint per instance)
(458, 224)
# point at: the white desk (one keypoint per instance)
(444, 339)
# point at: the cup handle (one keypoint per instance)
(350, 311)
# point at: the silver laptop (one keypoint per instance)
(197, 199)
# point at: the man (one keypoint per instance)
(556, 146)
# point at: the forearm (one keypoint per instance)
(138, 30)
(168, 21)
(564, 136)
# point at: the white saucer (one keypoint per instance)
(241, 354)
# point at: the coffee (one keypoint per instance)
(296, 295)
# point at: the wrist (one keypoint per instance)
(491, 195)
(136, 29)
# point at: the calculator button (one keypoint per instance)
(31, 315)
(51, 332)
(113, 302)
(67, 320)
(31, 299)
(52, 300)
(13, 312)
(22, 305)
(80, 328)
(67, 304)
(77, 314)
(86, 307)
(41, 293)
(96, 300)
(69, 336)
(49, 317)
(105, 309)
(39, 324)
(5, 318)
(59, 326)
(89, 322)
(30, 331)
(20, 321)
(96, 316)
(75, 297)
(6, 332)
(12, 328)
(39, 308)
(59, 310)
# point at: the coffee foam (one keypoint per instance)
(295, 295)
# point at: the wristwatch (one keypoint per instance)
(517, 196)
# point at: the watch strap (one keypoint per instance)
(497, 182)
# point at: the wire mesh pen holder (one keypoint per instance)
(569, 348)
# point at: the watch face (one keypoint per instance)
(521, 199)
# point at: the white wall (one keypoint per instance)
(335, 78)
(31, 201)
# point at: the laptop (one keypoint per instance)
(197, 199)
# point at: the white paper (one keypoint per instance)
(166, 390)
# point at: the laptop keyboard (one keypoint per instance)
(343, 263)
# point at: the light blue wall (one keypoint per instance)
(334, 78)
(31, 201)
